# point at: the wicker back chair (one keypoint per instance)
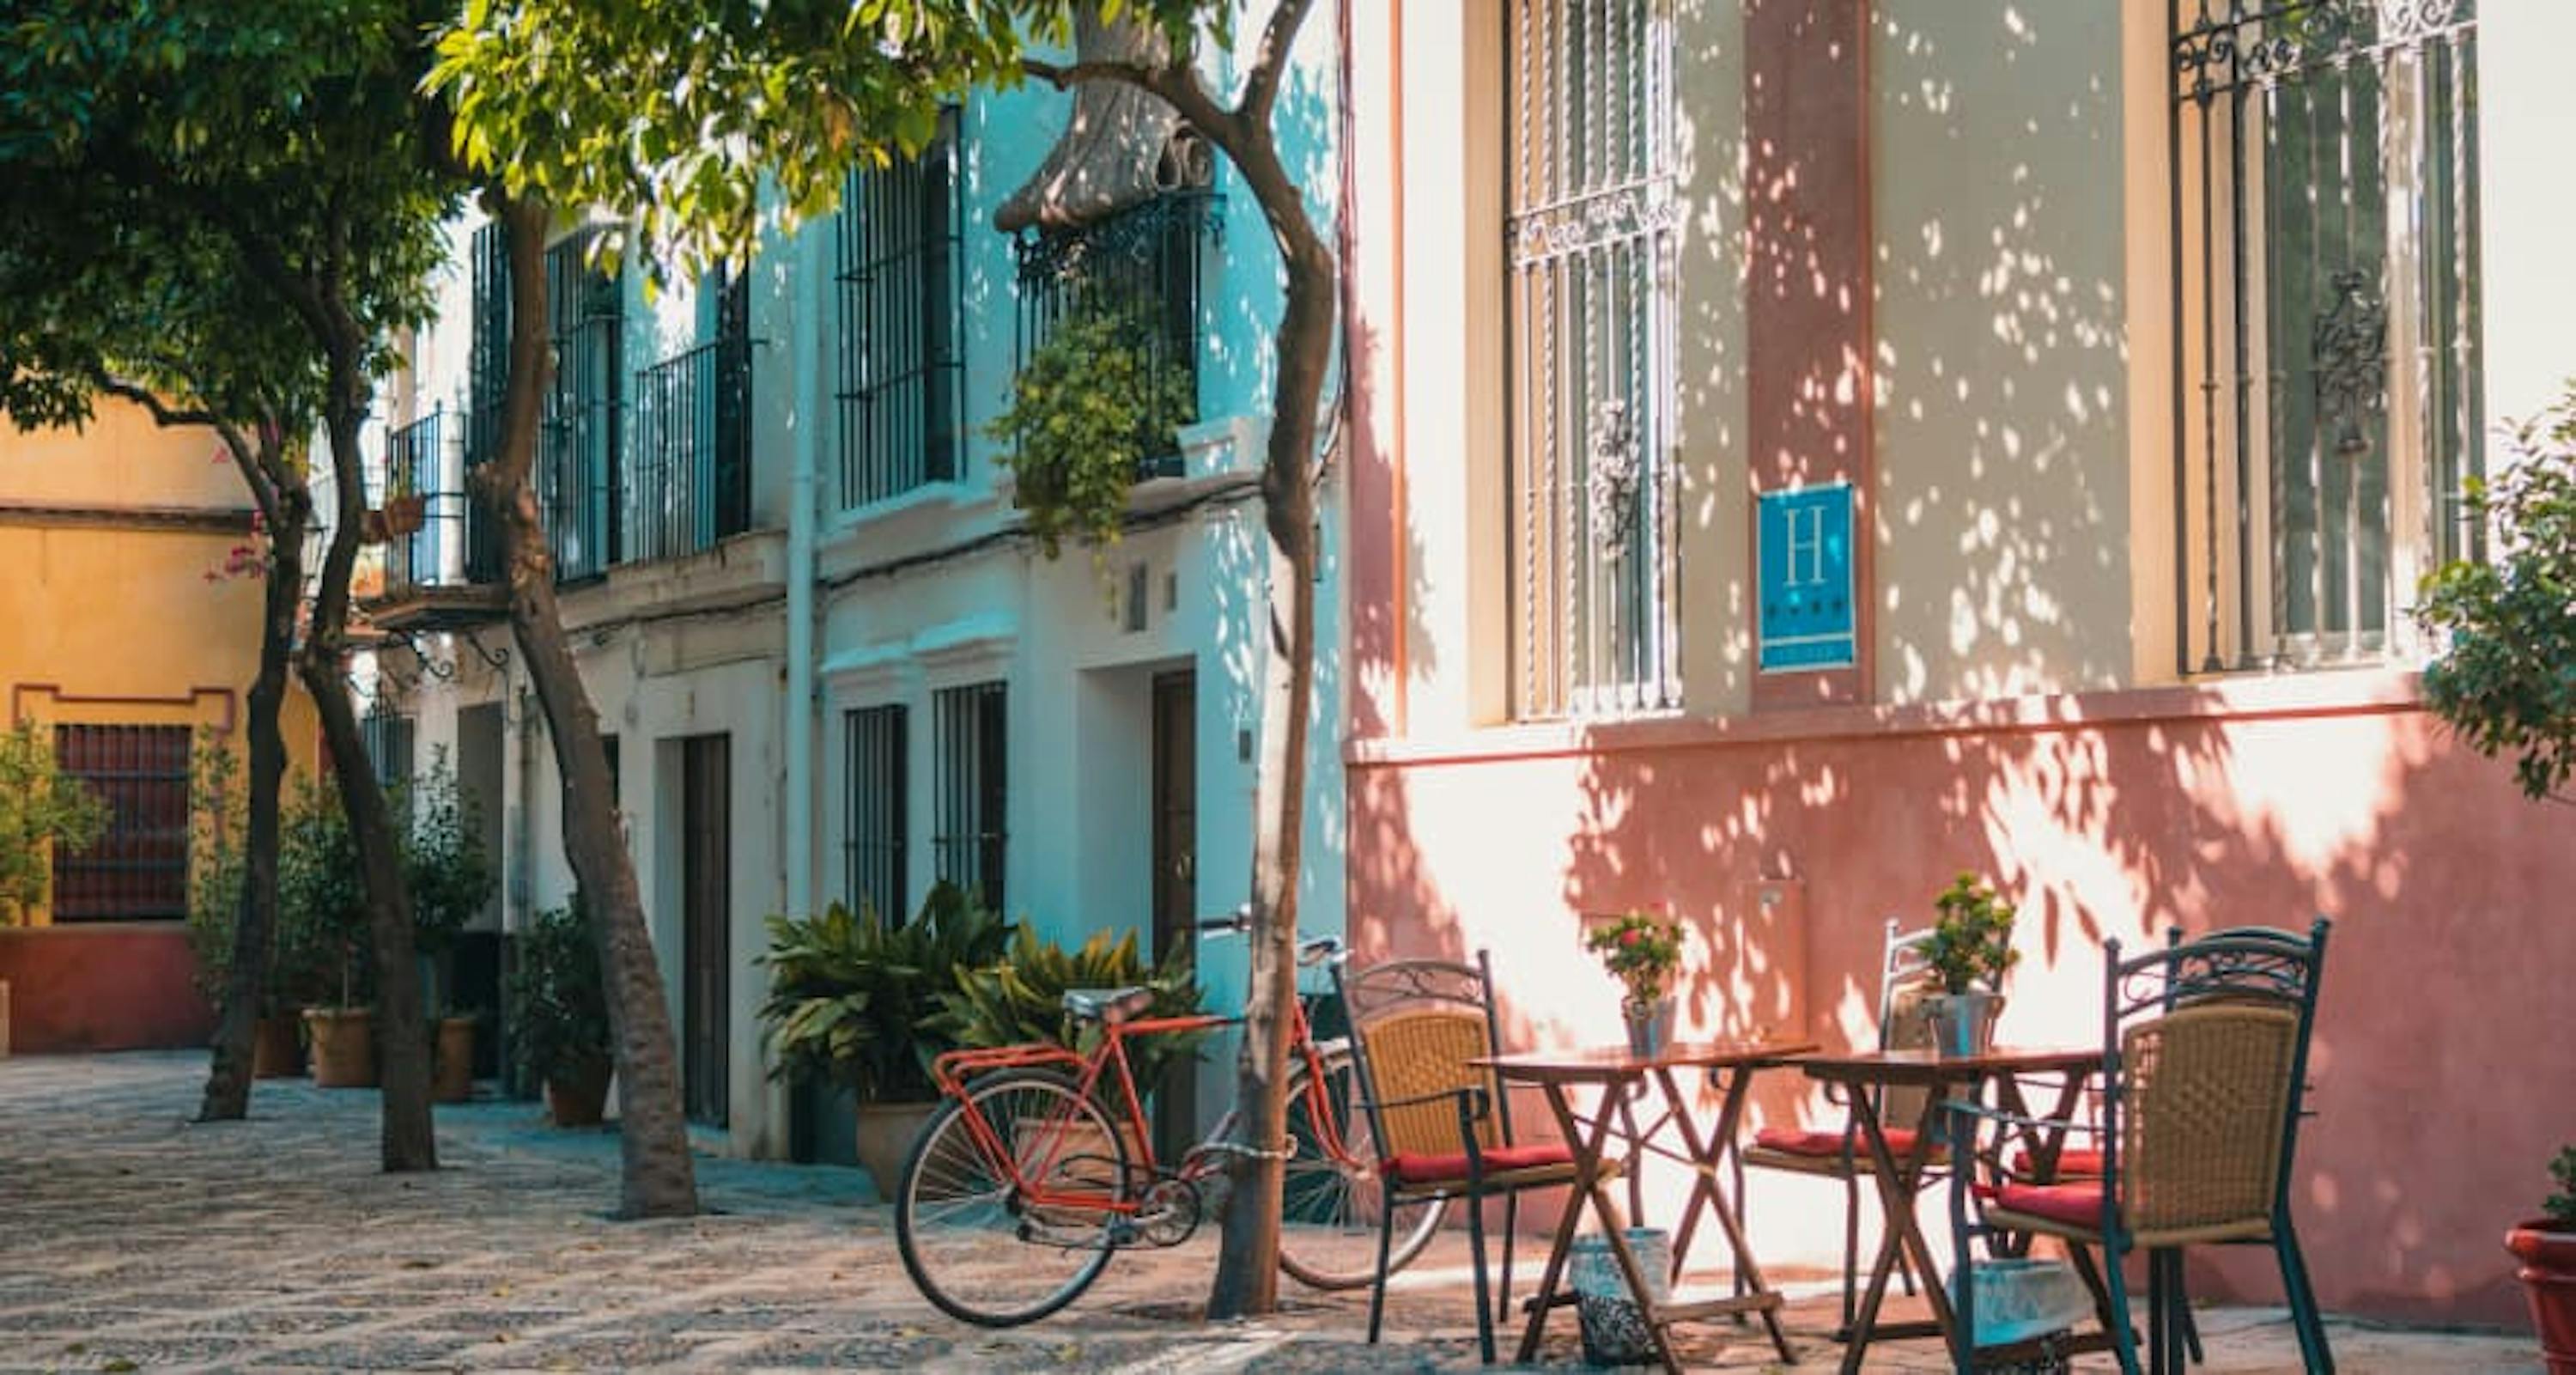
(1905, 989)
(1444, 1125)
(2205, 1067)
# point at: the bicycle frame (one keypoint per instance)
(952, 1071)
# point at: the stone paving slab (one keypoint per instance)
(132, 1239)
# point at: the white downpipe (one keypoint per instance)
(798, 831)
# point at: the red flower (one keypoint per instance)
(1631, 937)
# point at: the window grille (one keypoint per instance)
(872, 843)
(2325, 252)
(690, 479)
(577, 456)
(137, 870)
(1590, 238)
(388, 740)
(901, 405)
(972, 729)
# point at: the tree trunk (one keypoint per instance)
(402, 1038)
(227, 1096)
(659, 1178)
(1247, 1272)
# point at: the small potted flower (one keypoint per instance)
(1643, 950)
(2546, 1246)
(1970, 949)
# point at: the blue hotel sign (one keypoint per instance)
(1804, 539)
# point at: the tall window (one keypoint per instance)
(873, 819)
(1591, 241)
(2325, 238)
(138, 869)
(897, 264)
(577, 456)
(388, 738)
(971, 726)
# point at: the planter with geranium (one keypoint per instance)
(2546, 1246)
(1970, 948)
(1643, 950)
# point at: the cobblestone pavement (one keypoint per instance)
(131, 1239)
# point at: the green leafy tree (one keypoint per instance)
(690, 121)
(290, 134)
(2506, 677)
(41, 811)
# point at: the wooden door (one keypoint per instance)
(1175, 830)
(706, 923)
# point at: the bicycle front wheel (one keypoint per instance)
(974, 1241)
(1332, 1196)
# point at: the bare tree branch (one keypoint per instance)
(1177, 84)
(1270, 61)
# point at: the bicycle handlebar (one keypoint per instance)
(1311, 950)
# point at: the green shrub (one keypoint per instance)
(40, 812)
(1089, 406)
(557, 1001)
(851, 999)
(1021, 999)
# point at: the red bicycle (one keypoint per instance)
(1040, 1165)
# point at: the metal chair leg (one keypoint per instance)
(1851, 1252)
(2310, 1323)
(2124, 1338)
(1385, 1250)
(2186, 1327)
(1511, 1233)
(1484, 1292)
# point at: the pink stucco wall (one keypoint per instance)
(2441, 1071)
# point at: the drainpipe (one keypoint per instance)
(804, 352)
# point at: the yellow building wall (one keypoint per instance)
(108, 612)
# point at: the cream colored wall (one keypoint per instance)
(2003, 387)
(1709, 363)
(2527, 125)
(109, 625)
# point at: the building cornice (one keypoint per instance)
(209, 520)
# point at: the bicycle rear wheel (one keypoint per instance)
(973, 1244)
(1331, 1200)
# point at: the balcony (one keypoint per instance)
(688, 481)
(444, 573)
(1149, 259)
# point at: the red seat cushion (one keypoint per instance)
(1793, 1141)
(2071, 1163)
(1451, 1167)
(2076, 1205)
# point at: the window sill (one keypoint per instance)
(945, 495)
(2272, 696)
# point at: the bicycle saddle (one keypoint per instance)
(1109, 1005)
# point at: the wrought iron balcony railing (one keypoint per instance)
(453, 544)
(1149, 260)
(688, 482)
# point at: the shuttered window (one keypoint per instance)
(971, 749)
(872, 841)
(138, 869)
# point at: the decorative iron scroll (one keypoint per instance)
(1616, 469)
(2270, 967)
(1628, 213)
(1403, 981)
(2246, 42)
(2350, 345)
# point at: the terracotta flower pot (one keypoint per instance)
(454, 1080)
(344, 1046)
(274, 1051)
(405, 514)
(885, 1135)
(2547, 1250)
(580, 1100)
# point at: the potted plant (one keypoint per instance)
(1021, 999)
(40, 811)
(1091, 408)
(558, 1014)
(299, 961)
(450, 878)
(852, 1001)
(321, 897)
(1968, 953)
(1643, 950)
(2546, 1246)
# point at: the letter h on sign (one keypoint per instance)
(1803, 541)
